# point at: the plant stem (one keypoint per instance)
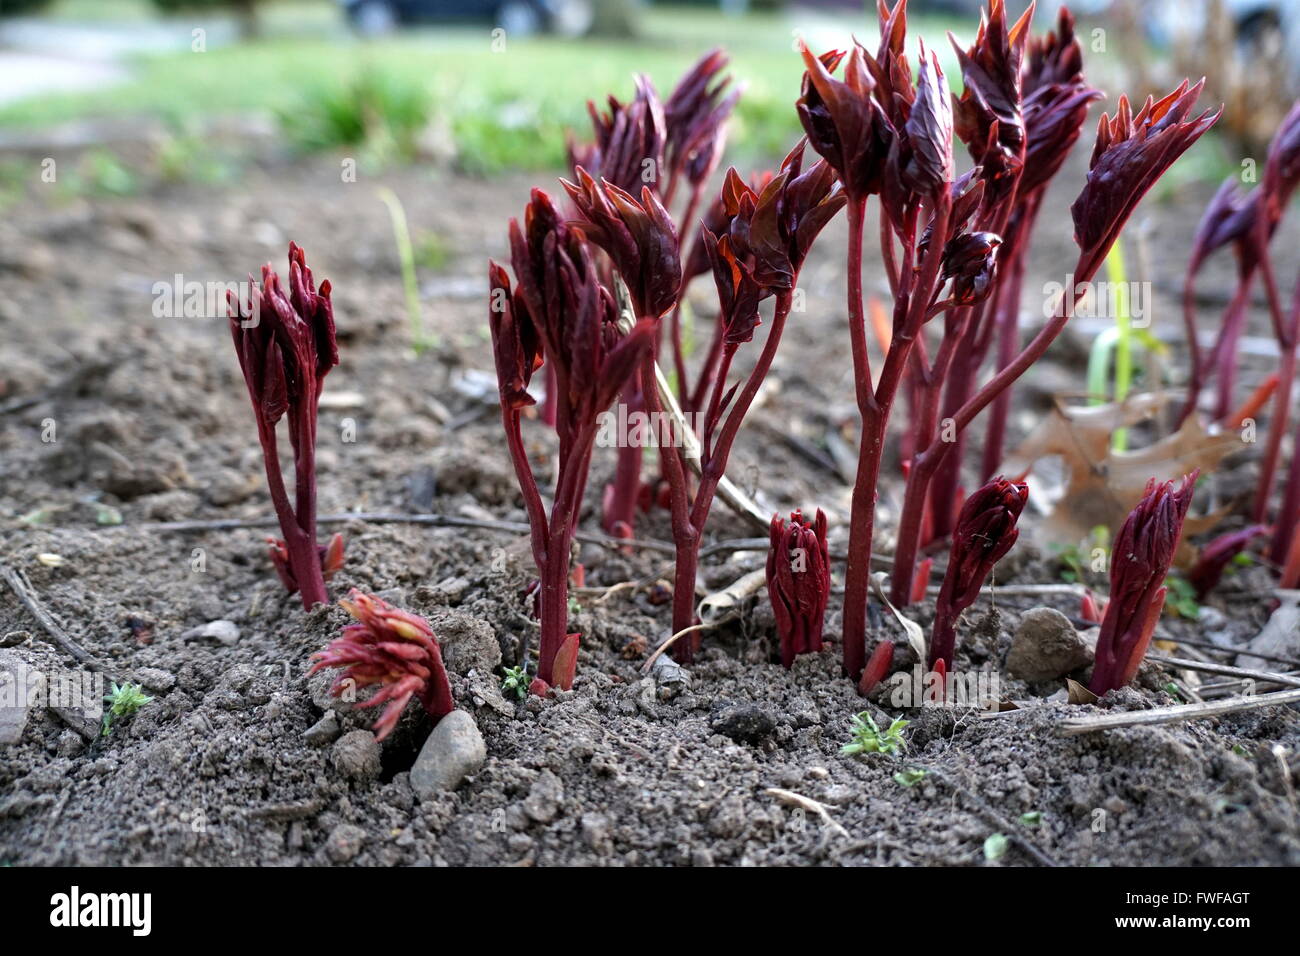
(1285, 329)
(1118, 276)
(926, 463)
(554, 596)
(406, 257)
(862, 515)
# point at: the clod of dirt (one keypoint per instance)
(542, 805)
(467, 642)
(1046, 646)
(224, 632)
(453, 751)
(356, 756)
(743, 723)
(345, 842)
(155, 679)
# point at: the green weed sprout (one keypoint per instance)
(516, 681)
(123, 702)
(868, 738)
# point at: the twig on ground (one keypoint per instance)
(1226, 670)
(645, 668)
(26, 595)
(1170, 715)
(792, 799)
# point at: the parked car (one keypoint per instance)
(516, 17)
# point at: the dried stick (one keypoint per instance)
(1226, 670)
(1170, 715)
(26, 595)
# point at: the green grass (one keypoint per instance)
(504, 110)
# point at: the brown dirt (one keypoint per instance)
(152, 421)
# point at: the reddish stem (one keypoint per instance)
(862, 515)
(1285, 330)
(925, 464)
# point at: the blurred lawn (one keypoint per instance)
(504, 110)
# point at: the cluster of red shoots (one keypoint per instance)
(593, 290)
(286, 347)
(1246, 222)
(392, 649)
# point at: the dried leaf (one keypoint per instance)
(915, 636)
(1080, 694)
(1102, 485)
(726, 604)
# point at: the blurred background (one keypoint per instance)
(165, 90)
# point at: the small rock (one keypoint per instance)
(19, 684)
(152, 472)
(225, 632)
(743, 723)
(173, 505)
(453, 751)
(345, 842)
(154, 678)
(451, 590)
(230, 487)
(1046, 646)
(323, 731)
(69, 744)
(542, 804)
(356, 755)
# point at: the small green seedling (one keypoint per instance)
(1032, 819)
(909, 777)
(868, 738)
(995, 847)
(123, 702)
(516, 681)
(1181, 598)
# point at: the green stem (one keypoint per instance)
(406, 256)
(1117, 275)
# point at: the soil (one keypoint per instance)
(151, 424)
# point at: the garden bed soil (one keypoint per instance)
(151, 424)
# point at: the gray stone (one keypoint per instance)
(323, 731)
(356, 755)
(453, 751)
(542, 805)
(224, 632)
(229, 487)
(1046, 646)
(19, 684)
